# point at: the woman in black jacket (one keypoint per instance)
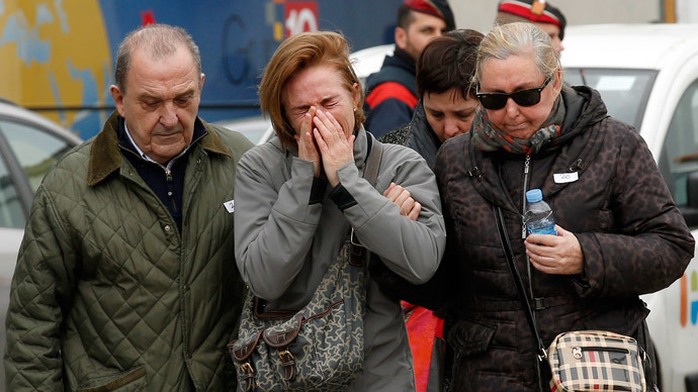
(619, 234)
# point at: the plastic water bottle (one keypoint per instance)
(539, 217)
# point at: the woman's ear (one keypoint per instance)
(557, 82)
(356, 94)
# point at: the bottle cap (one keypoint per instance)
(534, 195)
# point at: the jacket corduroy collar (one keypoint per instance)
(106, 156)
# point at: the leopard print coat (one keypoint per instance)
(633, 238)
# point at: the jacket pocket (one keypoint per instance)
(130, 380)
(470, 338)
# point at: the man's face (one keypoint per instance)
(160, 102)
(423, 29)
(554, 33)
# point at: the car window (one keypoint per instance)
(11, 213)
(35, 149)
(679, 155)
(624, 91)
(27, 154)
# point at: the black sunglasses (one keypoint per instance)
(528, 97)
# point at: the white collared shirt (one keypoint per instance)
(145, 156)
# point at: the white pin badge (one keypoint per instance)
(564, 178)
(230, 206)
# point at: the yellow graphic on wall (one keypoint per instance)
(55, 53)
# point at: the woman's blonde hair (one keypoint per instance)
(298, 53)
(518, 38)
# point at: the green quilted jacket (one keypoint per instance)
(108, 295)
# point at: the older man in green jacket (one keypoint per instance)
(126, 278)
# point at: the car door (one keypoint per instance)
(674, 320)
(27, 151)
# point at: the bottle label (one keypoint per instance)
(547, 229)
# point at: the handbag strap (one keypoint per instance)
(506, 245)
(371, 168)
(373, 161)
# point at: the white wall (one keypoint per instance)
(479, 14)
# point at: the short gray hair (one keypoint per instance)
(160, 39)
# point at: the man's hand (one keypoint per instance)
(402, 198)
(558, 254)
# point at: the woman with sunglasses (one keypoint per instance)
(619, 234)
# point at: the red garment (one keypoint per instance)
(423, 327)
(391, 90)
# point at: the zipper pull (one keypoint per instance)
(527, 165)
(575, 166)
(527, 169)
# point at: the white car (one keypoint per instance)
(256, 128)
(29, 146)
(369, 60)
(647, 75)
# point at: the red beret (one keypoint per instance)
(538, 11)
(438, 8)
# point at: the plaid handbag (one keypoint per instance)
(595, 361)
(582, 361)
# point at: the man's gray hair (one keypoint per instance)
(161, 40)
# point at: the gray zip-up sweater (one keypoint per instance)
(284, 243)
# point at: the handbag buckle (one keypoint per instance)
(247, 369)
(288, 362)
(353, 240)
(543, 355)
(357, 251)
(248, 372)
